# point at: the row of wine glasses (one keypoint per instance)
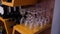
(36, 17)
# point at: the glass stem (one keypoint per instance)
(14, 8)
(9, 9)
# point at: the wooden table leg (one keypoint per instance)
(7, 25)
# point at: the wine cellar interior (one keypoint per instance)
(26, 16)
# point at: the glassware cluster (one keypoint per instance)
(36, 17)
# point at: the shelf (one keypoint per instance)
(25, 30)
(19, 2)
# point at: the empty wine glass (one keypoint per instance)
(30, 19)
(22, 12)
(9, 9)
(31, 24)
(45, 22)
(42, 22)
(48, 19)
(35, 21)
(21, 21)
(26, 22)
(14, 8)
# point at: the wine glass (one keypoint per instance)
(21, 21)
